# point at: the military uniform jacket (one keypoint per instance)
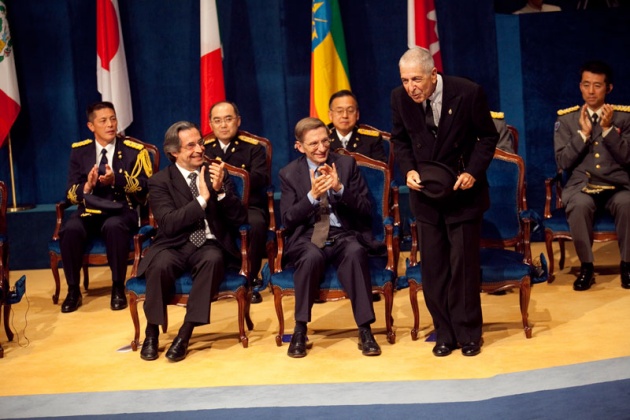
(366, 142)
(131, 167)
(600, 160)
(465, 142)
(245, 153)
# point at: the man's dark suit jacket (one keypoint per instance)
(465, 142)
(353, 209)
(177, 213)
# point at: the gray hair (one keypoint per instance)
(307, 124)
(171, 138)
(419, 57)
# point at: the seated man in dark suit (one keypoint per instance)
(344, 129)
(326, 211)
(107, 180)
(243, 152)
(593, 141)
(197, 213)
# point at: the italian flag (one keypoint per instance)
(422, 28)
(212, 85)
(111, 64)
(9, 93)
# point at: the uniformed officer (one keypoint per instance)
(592, 142)
(243, 152)
(343, 112)
(107, 179)
(506, 143)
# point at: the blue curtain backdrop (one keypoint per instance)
(267, 63)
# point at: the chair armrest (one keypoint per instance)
(413, 252)
(388, 222)
(138, 239)
(395, 209)
(270, 207)
(548, 196)
(280, 237)
(243, 230)
(60, 208)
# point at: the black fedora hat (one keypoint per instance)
(437, 179)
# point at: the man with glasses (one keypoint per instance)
(197, 213)
(326, 211)
(243, 152)
(343, 111)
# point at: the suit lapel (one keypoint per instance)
(450, 106)
(180, 185)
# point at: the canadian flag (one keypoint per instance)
(212, 85)
(111, 64)
(9, 93)
(422, 28)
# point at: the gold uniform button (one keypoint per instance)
(596, 143)
(596, 155)
(597, 166)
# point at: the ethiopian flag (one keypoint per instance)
(329, 63)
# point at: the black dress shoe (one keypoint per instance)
(256, 298)
(297, 348)
(149, 349)
(72, 301)
(472, 348)
(367, 343)
(585, 279)
(177, 351)
(119, 300)
(625, 275)
(443, 349)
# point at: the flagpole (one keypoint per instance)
(14, 208)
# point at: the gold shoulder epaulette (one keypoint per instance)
(82, 143)
(568, 110)
(621, 108)
(497, 115)
(133, 144)
(367, 132)
(247, 139)
(209, 140)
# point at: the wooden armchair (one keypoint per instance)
(557, 226)
(503, 226)
(95, 254)
(236, 284)
(382, 268)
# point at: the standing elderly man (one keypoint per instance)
(443, 121)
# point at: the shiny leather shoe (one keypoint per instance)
(585, 279)
(367, 344)
(72, 302)
(119, 300)
(472, 348)
(149, 349)
(443, 349)
(256, 298)
(177, 351)
(625, 275)
(297, 348)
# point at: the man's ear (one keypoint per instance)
(609, 89)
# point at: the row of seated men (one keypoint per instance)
(195, 235)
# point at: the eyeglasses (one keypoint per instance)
(226, 120)
(340, 111)
(193, 144)
(315, 145)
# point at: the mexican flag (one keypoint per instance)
(9, 93)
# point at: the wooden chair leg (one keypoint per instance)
(413, 297)
(524, 295)
(277, 300)
(241, 300)
(54, 266)
(561, 263)
(133, 309)
(7, 326)
(388, 292)
(548, 241)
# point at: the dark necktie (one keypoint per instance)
(103, 164)
(322, 225)
(429, 119)
(198, 237)
(594, 117)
